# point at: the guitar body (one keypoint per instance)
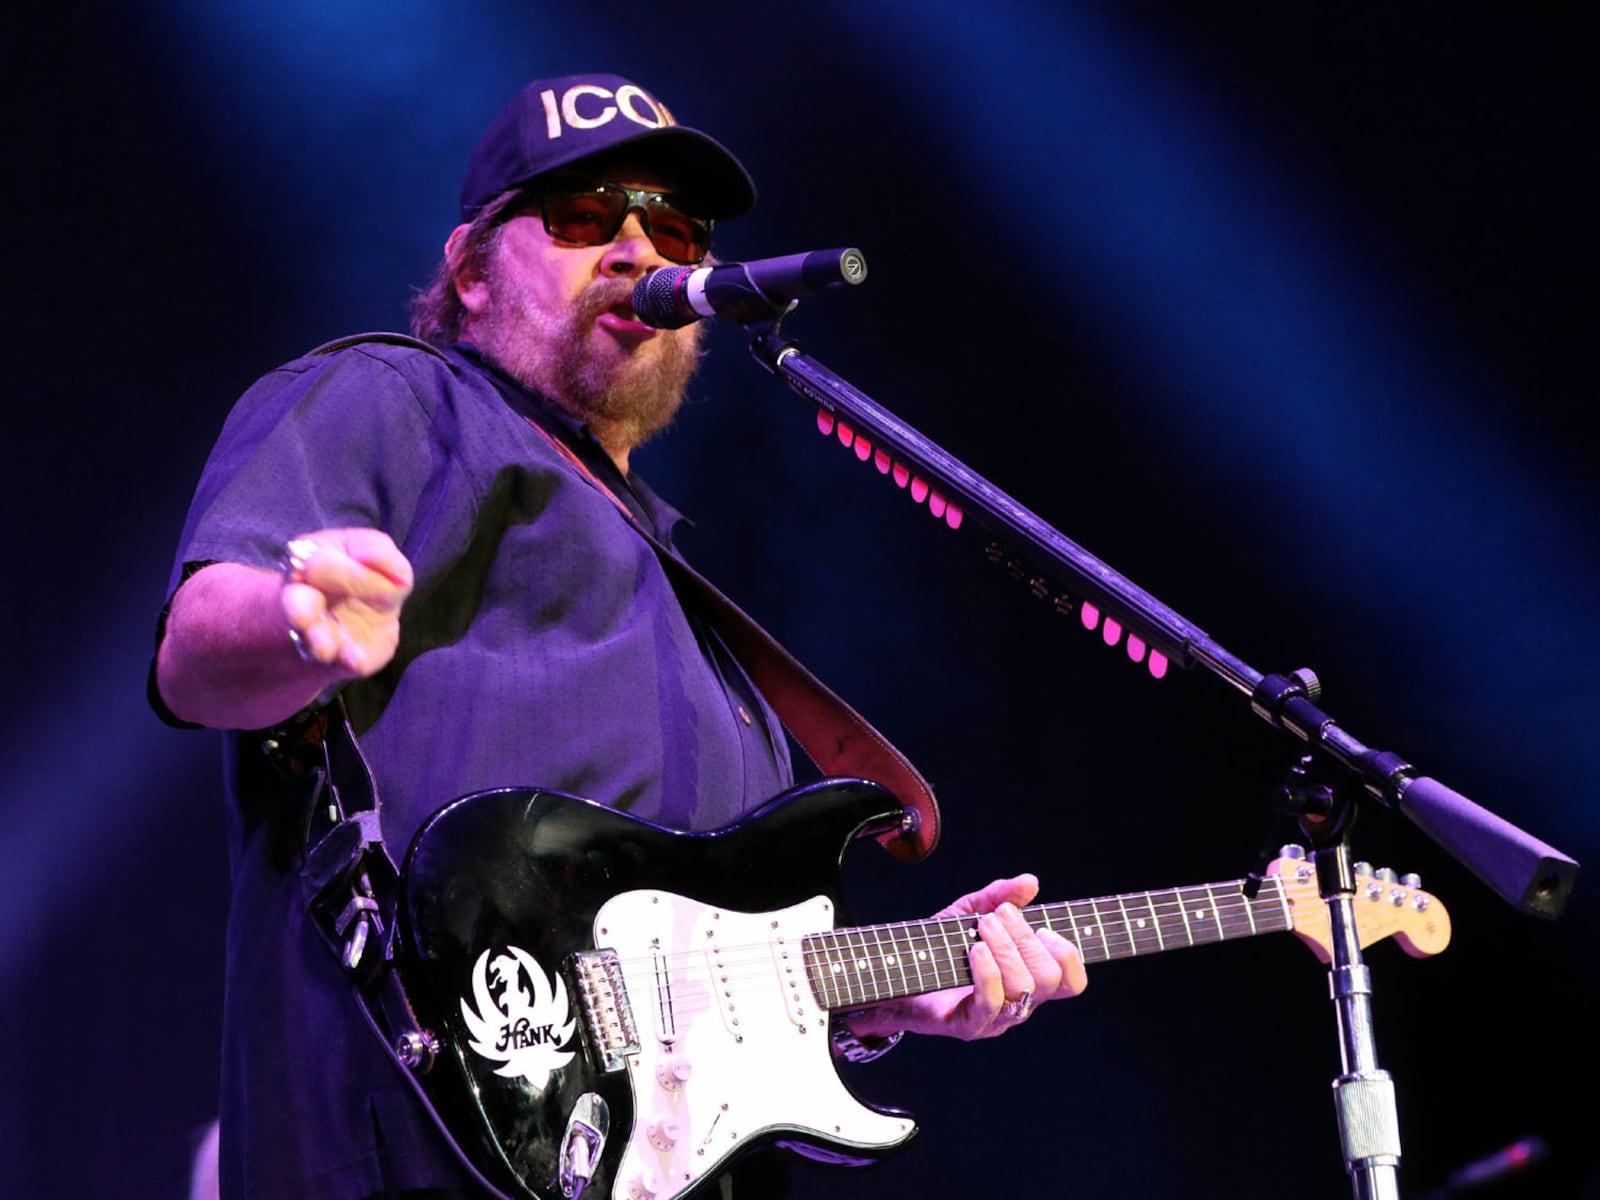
(626, 1002)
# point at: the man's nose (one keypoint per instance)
(631, 253)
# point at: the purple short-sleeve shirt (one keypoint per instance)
(544, 646)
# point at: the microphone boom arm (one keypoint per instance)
(1531, 875)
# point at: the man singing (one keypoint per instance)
(444, 532)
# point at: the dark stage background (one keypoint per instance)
(1284, 311)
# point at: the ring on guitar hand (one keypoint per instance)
(296, 552)
(1018, 1010)
(302, 646)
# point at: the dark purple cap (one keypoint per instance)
(556, 122)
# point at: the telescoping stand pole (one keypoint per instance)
(1363, 1095)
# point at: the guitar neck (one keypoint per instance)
(869, 964)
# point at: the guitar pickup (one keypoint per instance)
(607, 1015)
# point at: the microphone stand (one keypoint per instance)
(1532, 876)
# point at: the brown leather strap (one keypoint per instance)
(836, 737)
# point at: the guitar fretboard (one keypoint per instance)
(853, 968)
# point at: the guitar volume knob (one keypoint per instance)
(663, 1132)
(673, 1072)
(644, 1184)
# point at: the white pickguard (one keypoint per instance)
(725, 1015)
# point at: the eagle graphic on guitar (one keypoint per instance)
(625, 1009)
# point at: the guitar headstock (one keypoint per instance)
(1385, 905)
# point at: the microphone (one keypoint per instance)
(672, 297)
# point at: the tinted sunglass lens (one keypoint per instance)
(590, 218)
(677, 235)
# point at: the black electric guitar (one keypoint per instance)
(624, 1009)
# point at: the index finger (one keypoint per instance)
(338, 576)
(376, 551)
(1018, 890)
(359, 562)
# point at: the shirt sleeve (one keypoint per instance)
(341, 440)
(323, 443)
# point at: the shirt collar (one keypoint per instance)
(659, 516)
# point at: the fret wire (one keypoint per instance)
(1119, 942)
(899, 942)
(1200, 913)
(861, 963)
(1150, 902)
(812, 949)
(902, 947)
(909, 953)
(1099, 928)
(1133, 947)
(960, 962)
(1073, 921)
(1088, 933)
(925, 955)
(817, 968)
(836, 969)
(1183, 911)
(847, 975)
(881, 966)
(944, 932)
(868, 962)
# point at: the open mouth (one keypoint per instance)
(620, 318)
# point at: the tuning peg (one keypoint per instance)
(1386, 874)
(1411, 880)
(1362, 868)
(1291, 850)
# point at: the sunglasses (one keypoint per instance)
(591, 214)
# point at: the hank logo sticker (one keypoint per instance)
(522, 1018)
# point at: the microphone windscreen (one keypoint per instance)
(657, 299)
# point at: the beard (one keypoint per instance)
(628, 393)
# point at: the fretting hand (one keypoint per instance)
(1014, 970)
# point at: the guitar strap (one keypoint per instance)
(836, 737)
(350, 883)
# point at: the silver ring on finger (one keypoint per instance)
(296, 551)
(302, 646)
(1018, 1010)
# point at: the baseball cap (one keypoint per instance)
(555, 123)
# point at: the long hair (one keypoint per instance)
(437, 311)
